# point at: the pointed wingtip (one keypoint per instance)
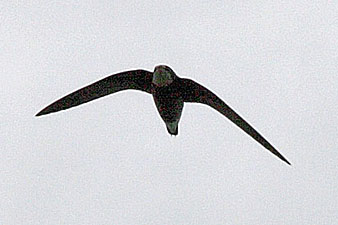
(287, 162)
(276, 153)
(283, 159)
(46, 110)
(42, 112)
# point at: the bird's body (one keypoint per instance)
(169, 92)
(169, 104)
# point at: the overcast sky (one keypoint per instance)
(111, 161)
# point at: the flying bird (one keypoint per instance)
(169, 91)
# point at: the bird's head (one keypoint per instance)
(163, 75)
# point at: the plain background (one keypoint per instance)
(111, 161)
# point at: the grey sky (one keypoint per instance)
(111, 161)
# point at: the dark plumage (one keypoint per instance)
(169, 92)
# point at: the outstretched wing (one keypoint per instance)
(194, 92)
(135, 79)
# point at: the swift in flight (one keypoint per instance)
(169, 92)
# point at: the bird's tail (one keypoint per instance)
(172, 128)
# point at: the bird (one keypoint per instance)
(169, 92)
